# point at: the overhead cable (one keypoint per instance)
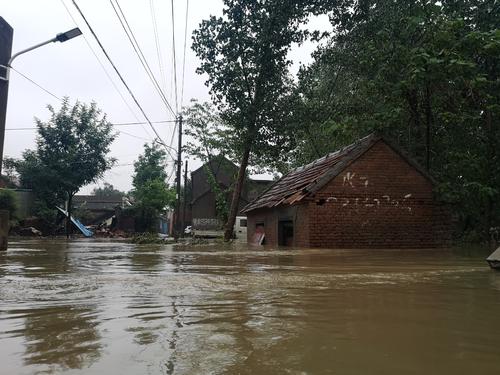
(175, 59)
(36, 84)
(184, 53)
(138, 51)
(105, 70)
(114, 124)
(157, 44)
(116, 70)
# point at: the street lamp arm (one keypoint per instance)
(58, 38)
(9, 63)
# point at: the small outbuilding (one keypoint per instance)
(365, 195)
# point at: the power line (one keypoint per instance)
(157, 44)
(175, 59)
(114, 124)
(105, 71)
(184, 54)
(133, 135)
(36, 84)
(138, 123)
(116, 70)
(138, 51)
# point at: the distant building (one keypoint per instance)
(203, 203)
(96, 209)
(366, 195)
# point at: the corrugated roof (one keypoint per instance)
(302, 181)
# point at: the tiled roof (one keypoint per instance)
(92, 202)
(302, 181)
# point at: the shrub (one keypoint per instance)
(8, 201)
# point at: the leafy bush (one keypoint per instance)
(8, 201)
(147, 238)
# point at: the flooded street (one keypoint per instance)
(115, 308)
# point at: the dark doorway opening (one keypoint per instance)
(285, 233)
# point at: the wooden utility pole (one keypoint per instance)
(178, 230)
(6, 34)
(184, 199)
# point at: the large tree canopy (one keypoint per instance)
(72, 150)
(245, 56)
(424, 73)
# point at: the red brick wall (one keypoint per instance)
(271, 217)
(379, 201)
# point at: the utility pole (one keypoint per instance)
(178, 230)
(184, 199)
(6, 34)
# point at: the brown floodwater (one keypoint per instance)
(96, 307)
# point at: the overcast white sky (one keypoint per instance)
(71, 69)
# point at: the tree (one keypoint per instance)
(72, 151)
(151, 192)
(424, 74)
(107, 191)
(244, 54)
(8, 201)
(210, 139)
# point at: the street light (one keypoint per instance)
(62, 37)
(6, 33)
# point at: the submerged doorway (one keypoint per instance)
(285, 233)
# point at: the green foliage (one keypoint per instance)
(9, 177)
(155, 194)
(210, 139)
(244, 55)
(151, 193)
(147, 238)
(8, 201)
(425, 74)
(207, 134)
(221, 207)
(73, 146)
(151, 165)
(72, 151)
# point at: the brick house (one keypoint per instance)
(203, 203)
(365, 195)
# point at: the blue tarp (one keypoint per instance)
(86, 232)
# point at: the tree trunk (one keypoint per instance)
(412, 100)
(491, 167)
(68, 218)
(228, 233)
(428, 126)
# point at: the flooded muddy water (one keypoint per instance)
(114, 308)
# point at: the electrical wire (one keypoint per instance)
(138, 51)
(114, 124)
(157, 44)
(133, 135)
(105, 71)
(184, 53)
(36, 84)
(117, 71)
(175, 59)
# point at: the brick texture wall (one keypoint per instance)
(270, 218)
(379, 201)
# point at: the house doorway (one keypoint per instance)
(285, 233)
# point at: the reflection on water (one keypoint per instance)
(106, 307)
(64, 336)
